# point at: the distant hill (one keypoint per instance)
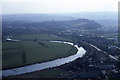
(104, 18)
(35, 17)
(28, 26)
(79, 24)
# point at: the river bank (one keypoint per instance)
(95, 64)
(44, 65)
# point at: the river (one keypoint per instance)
(49, 64)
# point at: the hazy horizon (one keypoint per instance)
(57, 6)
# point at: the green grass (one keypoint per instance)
(26, 51)
(12, 54)
(41, 37)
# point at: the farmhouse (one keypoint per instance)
(9, 39)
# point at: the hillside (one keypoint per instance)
(35, 17)
(27, 27)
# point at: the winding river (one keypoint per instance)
(49, 64)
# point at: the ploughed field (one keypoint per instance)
(34, 49)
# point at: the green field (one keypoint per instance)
(43, 37)
(34, 48)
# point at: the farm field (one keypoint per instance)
(34, 49)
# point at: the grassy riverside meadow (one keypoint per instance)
(33, 49)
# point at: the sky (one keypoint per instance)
(58, 6)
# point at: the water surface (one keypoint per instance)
(49, 64)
